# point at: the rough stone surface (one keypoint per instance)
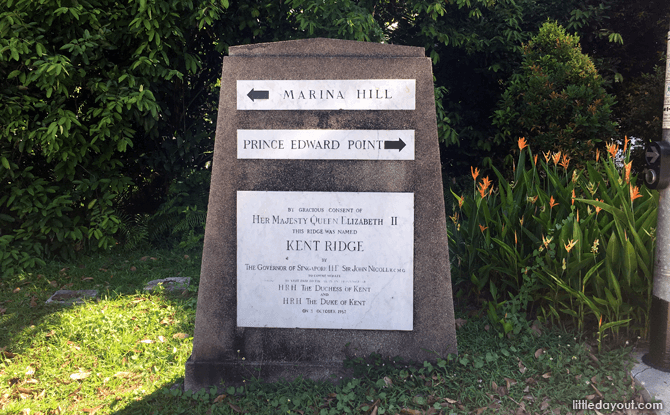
(219, 345)
(170, 284)
(70, 297)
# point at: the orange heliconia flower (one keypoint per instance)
(577, 215)
(598, 209)
(625, 143)
(522, 143)
(474, 173)
(515, 241)
(461, 199)
(546, 241)
(597, 155)
(482, 190)
(565, 162)
(483, 228)
(487, 182)
(570, 245)
(552, 203)
(535, 160)
(521, 221)
(627, 168)
(546, 157)
(556, 157)
(612, 149)
(634, 193)
(573, 197)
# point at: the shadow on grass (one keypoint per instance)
(23, 296)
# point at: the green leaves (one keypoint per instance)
(556, 99)
(571, 240)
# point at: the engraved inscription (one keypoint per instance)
(325, 260)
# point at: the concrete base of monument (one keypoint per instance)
(201, 375)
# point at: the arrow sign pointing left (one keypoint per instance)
(254, 95)
(392, 145)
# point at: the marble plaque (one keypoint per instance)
(330, 260)
(326, 144)
(359, 94)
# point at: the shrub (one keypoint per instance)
(571, 242)
(95, 96)
(556, 99)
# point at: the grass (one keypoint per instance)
(125, 352)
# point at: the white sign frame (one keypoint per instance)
(326, 144)
(325, 260)
(358, 94)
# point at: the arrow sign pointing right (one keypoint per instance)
(652, 154)
(253, 95)
(392, 145)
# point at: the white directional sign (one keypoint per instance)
(326, 144)
(329, 260)
(359, 94)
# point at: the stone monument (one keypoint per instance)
(326, 233)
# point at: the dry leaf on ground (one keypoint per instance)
(522, 368)
(536, 328)
(6, 354)
(539, 352)
(180, 336)
(460, 322)
(80, 375)
(236, 408)
(510, 382)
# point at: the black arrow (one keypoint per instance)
(652, 154)
(392, 145)
(258, 94)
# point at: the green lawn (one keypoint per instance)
(125, 352)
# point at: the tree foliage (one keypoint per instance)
(556, 99)
(108, 108)
(83, 83)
